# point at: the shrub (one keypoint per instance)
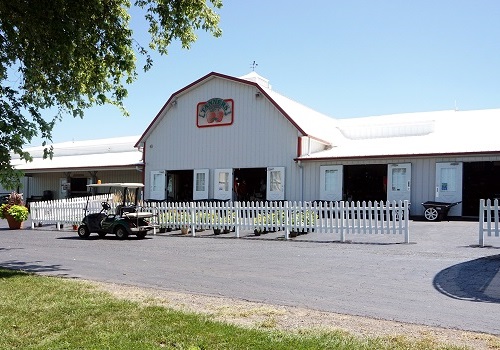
(15, 207)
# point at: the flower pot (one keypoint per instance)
(13, 223)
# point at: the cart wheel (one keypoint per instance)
(121, 233)
(431, 214)
(83, 231)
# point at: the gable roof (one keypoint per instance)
(307, 121)
(113, 153)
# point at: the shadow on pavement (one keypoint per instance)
(29, 266)
(475, 280)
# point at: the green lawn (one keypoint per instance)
(53, 313)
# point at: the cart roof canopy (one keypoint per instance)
(119, 185)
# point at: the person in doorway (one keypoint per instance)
(243, 191)
(235, 189)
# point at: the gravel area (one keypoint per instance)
(294, 319)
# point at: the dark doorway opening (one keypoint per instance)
(480, 181)
(78, 186)
(250, 184)
(365, 182)
(180, 185)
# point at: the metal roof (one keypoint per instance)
(112, 153)
(415, 134)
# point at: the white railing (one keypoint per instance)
(339, 217)
(489, 218)
(66, 211)
(342, 218)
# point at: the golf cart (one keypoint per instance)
(125, 221)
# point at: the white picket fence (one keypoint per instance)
(66, 211)
(342, 218)
(489, 219)
(339, 217)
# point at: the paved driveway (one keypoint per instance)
(440, 279)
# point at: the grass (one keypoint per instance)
(52, 313)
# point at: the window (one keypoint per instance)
(330, 180)
(398, 179)
(223, 181)
(200, 181)
(276, 183)
(448, 179)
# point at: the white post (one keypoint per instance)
(342, 221)
(192, 213)
(406, 214)
(237, 223)
(287, 222)
(481, 223)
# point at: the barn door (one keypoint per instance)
(64, 187)
(275, 183)
(330, 183)
(157, 185)
(398, 182)
(223, 180)
(200, 184)
(449, 185)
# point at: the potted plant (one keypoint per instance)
(14, 211)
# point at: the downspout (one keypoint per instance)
(301, 180)
(144, 163)
(301, 172)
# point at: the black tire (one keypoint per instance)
(431, 214)
(83, 231)
(102, 234)
(141, 235)
(121, 232)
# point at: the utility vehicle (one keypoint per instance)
(125, 221)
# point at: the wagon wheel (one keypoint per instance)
(431, 214)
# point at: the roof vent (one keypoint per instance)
(256, 78)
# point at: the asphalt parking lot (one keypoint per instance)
(442, 278)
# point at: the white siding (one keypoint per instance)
(35, 185)
(423, 175)
(259, 136)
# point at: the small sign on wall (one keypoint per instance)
(214, 112)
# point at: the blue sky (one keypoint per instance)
(346, 59)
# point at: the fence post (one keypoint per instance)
(287, 222)
(236, 206)
(192, 213)
(406, 214)
(481, 222)
(342, 221)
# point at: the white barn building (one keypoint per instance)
(76, 164)
(223, 137)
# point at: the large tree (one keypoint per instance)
(69, 55)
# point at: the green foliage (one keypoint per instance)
(65, 56)
(18, 212)
(15, 207)
(52, 313)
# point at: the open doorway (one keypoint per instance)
(250, 184)
(180, 185)
(365, 182)
(480, 181)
